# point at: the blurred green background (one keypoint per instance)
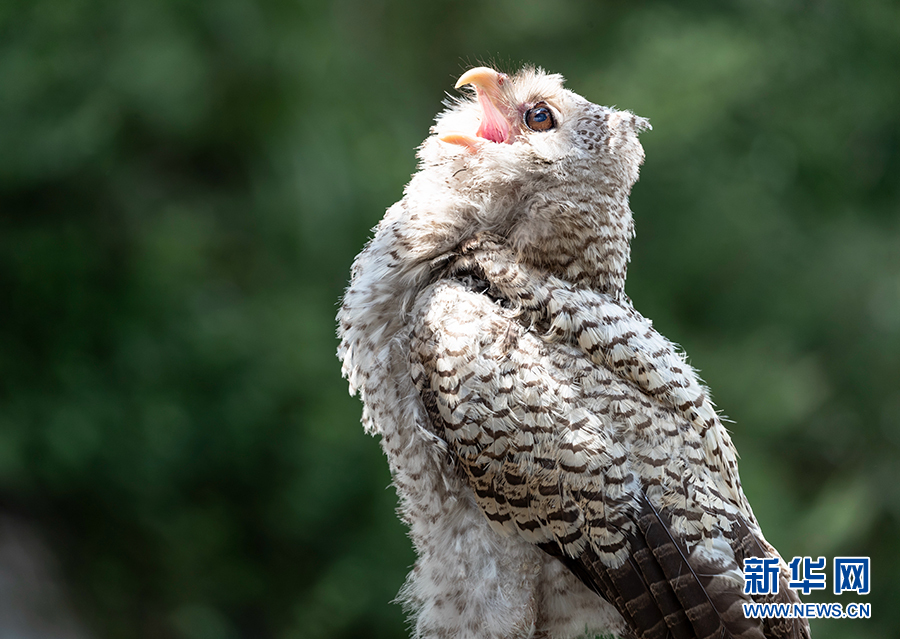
(183, 186)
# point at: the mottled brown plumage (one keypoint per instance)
(562, 469)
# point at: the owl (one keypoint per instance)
(561, 468)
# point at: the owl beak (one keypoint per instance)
(495, 125)
(463, 140)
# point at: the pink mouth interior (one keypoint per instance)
(494, 126)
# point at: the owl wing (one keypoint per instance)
(611, 333)
(569, 456)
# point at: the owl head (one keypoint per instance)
(528, 125)
(543, 167)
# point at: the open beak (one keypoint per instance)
(495, 125)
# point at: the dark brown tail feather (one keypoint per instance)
(747, 544)
(661, 595)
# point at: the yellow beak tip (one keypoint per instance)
(480, 77)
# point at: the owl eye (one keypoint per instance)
(539, 117)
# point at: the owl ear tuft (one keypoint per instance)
(640, 124)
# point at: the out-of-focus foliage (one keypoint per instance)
(183, 186)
